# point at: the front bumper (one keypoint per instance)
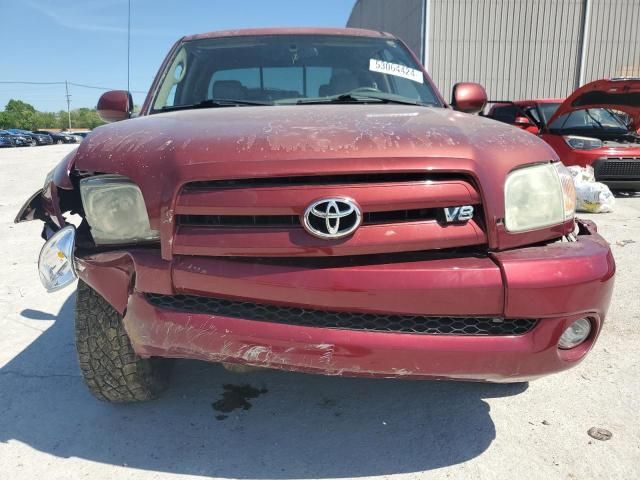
(553, 284)
(619, 173)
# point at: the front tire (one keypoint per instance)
(110, 367)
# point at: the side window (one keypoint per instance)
(174, 75)
(178, 76)
(506, 113)
(533, 113)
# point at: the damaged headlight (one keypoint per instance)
(115, 210)
(538, 196)
(582, 143)
(56, 263)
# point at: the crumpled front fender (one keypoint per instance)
(32, 209)
(44, 204)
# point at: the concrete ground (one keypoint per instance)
(304, 426)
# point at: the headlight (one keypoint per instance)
(115, 210)
(55, 263)
(538, 196)
(582, 143)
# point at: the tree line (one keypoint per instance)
(19, 114)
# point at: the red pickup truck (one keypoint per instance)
(305, 199)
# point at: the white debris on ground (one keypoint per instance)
(592, 196)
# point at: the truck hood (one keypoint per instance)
(617, 94)
(251, 140)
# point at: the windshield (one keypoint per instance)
(288, 69)
(547, 110)
(603, 120)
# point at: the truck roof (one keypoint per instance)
(358, 32)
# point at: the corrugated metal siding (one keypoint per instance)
(403, 18)
(613, 43)
(516, 49)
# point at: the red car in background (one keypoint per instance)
(597, 125)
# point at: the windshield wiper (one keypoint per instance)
(214, 103)
(598, 122)
(357, 97)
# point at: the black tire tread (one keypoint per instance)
(110, 367)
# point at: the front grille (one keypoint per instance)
(368, 218)
(420, 324)
(309, 180)
(613, 168)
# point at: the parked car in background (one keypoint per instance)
(305, 199)
(35, 138)
(82, 135)
(597, 125)
(60, 137)
(18, 140)
(6, 141)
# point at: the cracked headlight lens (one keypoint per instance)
(115, 210)
(538, 196)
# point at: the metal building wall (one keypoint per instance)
(516, 49)
(613, 40)
(403, 18)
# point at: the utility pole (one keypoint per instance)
(584, 44)
(66, 86)
(128, 43)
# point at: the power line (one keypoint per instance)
(81, 85)
(33, 83)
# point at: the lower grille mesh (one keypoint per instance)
(471, 326)
(618, 168)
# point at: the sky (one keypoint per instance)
(85, 41)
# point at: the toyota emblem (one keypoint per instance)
(332, 218)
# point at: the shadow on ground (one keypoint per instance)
(303, 427)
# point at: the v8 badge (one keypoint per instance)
(458, 214)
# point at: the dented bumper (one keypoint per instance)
(553, 285)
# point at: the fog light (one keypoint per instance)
(55, 264)
(577, 333)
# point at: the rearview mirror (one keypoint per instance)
(468, 97)
(115, 105)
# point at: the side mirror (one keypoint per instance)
(115, 105)
(524, 122)
(468, 97)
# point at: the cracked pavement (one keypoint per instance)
(304, 426)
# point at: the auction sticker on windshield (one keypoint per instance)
(396, 69)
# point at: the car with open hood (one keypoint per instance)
(306, 200)
(597, 125)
